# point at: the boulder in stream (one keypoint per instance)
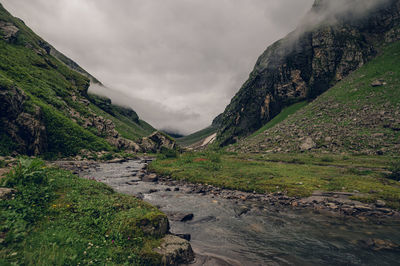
(175, 251)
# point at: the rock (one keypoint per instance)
(6, 193)
(181, 217)
(150, 178)
(380, 203)
(9, 30)
(117, 160)
(167, 189)
(184, 236)
(242, 210)
(26, 129)
(378, 83)
(308, 144)
(139, 196)
(362, 208)
(156, 227)
(379, 244)
(176, 189)
(153, 191)
(175, 250)
(156, 141)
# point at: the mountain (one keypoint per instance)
(46, 108)
(360, 115)
(327, 47)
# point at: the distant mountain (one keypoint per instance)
(309, 61)
(45, 107)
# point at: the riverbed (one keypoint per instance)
(231, 232)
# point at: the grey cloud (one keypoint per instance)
(330, 12)
(179, 62)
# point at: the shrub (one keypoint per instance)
(395, 171)
(214, 157)
(27, 172)
(107, 157)
(168, 153)
(327, 159)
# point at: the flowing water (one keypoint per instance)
(262, 236)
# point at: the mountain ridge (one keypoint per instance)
(304, 65)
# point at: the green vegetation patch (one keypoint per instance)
(56, 218)
(287, 111)
(296, 174)
(67, 138)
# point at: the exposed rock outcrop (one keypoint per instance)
(8, 30)
(305, 64)
(26, 129)
(156, 141)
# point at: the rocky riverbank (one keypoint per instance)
(327, 203)
(250, 226)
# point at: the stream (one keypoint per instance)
(222, 233)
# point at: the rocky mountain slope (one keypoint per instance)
(308, 62)
(361, 115)
(45, 106)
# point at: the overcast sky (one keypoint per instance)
(176, 62)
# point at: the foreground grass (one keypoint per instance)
(56, 218)
(295, 174)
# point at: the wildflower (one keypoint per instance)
(112, 241)
(84, 253)
(129, 238)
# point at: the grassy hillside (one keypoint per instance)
(56, 218)
(196, 137)
(361, 114)
(54, 96)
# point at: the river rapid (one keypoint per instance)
(230, 232)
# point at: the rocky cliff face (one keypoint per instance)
(305, 64)
(27, 129)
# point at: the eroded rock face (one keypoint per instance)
(9, 30)
(26, 129)
(175, 251)
(156, 141)
(305, 64)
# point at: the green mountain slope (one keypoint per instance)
(196, 137)
(306, 63)
(361, 114)
(45, 106)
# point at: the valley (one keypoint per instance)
(302, 167)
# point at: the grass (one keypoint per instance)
(196, 137)
(56, 218)
(296, 174)
(61, 96)
(285, 113)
